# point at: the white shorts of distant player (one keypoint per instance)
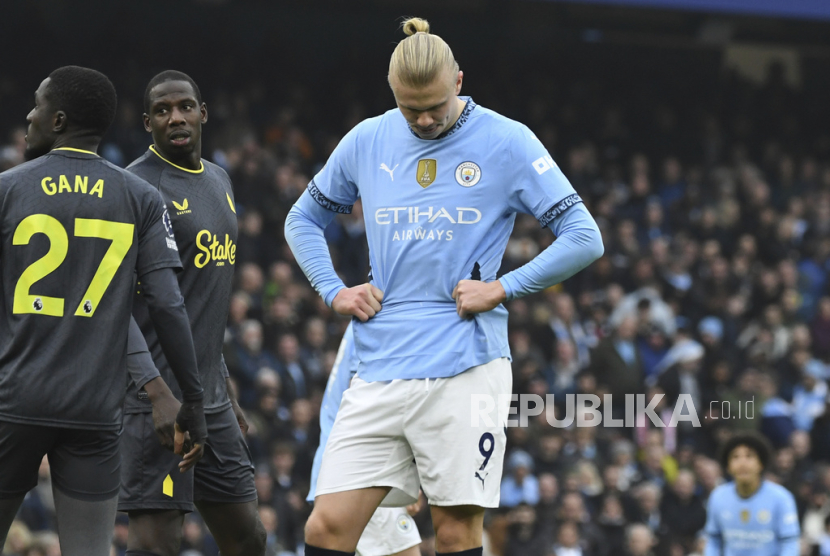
(391, 530)
(409, 433)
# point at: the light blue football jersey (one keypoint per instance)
(436, 212)
(765, 524)
(344, 368)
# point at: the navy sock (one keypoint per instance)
(472, 552)
(314, 551)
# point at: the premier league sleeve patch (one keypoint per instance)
(467, 174)
(168, 225)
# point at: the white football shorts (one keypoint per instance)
(420, 432)
(391, 530)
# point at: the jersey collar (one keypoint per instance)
(72, 150)
(462, 119)
(183, 169)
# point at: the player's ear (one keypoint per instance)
(146, 118)
(59, 123)
(458, 81)
(203, 110)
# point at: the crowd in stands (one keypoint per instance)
(715, 214)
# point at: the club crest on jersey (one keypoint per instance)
(764, 516)
(467, 174)
(426, 172)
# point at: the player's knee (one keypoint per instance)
(321, 527)
(458, 528)
(155, 534)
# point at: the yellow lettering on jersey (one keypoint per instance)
(167, 486)
(204, 258)
(64, 185)
(98, 188)
(48, 186)
(212, 250)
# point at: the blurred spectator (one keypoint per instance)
(519, 485)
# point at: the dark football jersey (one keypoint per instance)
(202, 210)
(74, 231)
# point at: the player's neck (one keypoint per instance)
(459, 108)
(746, 490)
(78, 142)
(190, 161)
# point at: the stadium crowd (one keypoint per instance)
(715, 213)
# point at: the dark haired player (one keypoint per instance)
(74, 229)
(750, 516)
(199, 197)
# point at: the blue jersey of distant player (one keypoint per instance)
(765, 524)
(436, 212)
(344, 368)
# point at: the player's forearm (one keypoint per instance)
(164, 300)
(578, 244)
(140, 365)
(304, 227)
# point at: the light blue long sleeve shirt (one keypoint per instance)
(437, 212)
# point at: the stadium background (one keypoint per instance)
(699, 140)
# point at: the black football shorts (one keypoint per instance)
(84, 464)
(150, 477)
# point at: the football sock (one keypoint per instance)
(84, 527)
(314, 551)
(472, 552)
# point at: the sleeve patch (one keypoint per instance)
(327, 203)
(558, 209)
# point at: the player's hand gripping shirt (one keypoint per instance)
(75, 231)
(436, 212)
(201, 207)
(765, 524)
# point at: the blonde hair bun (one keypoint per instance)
(415, 25)
(420, 58)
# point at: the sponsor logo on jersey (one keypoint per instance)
(417, 215)
(182, 208)
(425, 215)
(467, 174)
(214, 250)
(426, 171)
